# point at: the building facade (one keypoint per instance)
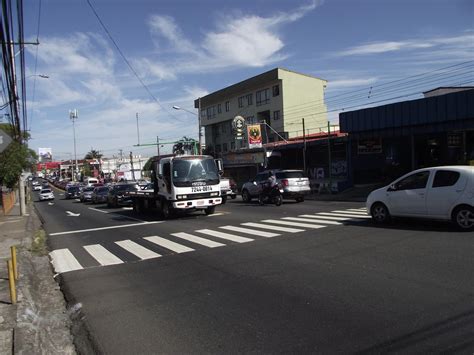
(280, 98)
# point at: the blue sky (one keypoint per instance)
(183, 49)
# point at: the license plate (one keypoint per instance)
(200, 203)
(201, 188)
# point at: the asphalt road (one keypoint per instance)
(316, 287)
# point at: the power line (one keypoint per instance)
(36, 64)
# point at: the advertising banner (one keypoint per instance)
(45, 155)
(255, 136)
(369, 146)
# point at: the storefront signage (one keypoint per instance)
(369, 146)
(255, 136)
(244, 158)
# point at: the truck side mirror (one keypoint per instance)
(220, 166)
(160, 171)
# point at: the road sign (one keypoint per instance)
(5, 140)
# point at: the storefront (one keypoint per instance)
(388, 141)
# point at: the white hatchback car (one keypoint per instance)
(443, 192)
(46, 194)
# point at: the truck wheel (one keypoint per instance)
(210, 210)
(246, 196)
(224, 199)
(166, 209)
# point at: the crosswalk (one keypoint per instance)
(151, 247)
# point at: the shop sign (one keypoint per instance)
(244, 158)
(254, 133)
(369, 146)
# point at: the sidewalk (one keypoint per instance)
(353, 194)
(38, 323)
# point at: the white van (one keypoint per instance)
(90, 181)
(443, 192)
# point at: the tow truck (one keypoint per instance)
(181, 183)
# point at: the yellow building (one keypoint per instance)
(281, 98)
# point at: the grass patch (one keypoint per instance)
(38, 245)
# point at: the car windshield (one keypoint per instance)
(45, 191)
(186, 172)
(88, 189)
(72, 189)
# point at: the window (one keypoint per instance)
(219, 108)
(445, 178)
(276, 90)
(232, 145)
(249, 99)
(203, 113)
(224, 127)
(218, 148)
(263, 97)
(413, 182)
(276, 115)
(241, 101)
(211, 112)
(227, 106)
(224, 147)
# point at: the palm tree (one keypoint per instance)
(93, 154)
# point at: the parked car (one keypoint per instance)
(72, 192)
(46, 194)
(86, 194)
(99, 194)
(37, 187)
(228, 188)
(294, 183)
(118, 195)
(444, 193)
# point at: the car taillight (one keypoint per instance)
(284, 182)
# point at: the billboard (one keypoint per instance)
(45, 155)
(255, 136)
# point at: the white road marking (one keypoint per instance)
(357, 209)
(168, 244)
(216, 214)
(198, 240)
(295, 224)
(319, 215)
(72, 214)
(138, 250)
(217, 234)
(77, 199)
(357, 213)
(311, 218)
(50, 203)
(96, 209)
(105, 228)
(343, 215)
(250, 231)
(102, 255)
(127, 208)
(63, 261)
(274, 228)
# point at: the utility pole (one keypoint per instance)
(199, 125)
(138, 131)
(329, 157)
(73, 117)
(304, 148)
(158, 145)
(131, 166)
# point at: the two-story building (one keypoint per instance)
(279, 99)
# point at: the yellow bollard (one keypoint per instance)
(15, 265)
(11, 281)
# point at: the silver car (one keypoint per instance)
(293, 183)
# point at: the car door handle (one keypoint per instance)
(421, 193)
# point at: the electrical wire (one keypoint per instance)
(36, 65)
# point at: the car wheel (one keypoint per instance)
(210, 210)
(278, 200)
(246, 196)
(380, 213)
(463, 217)
(233, 196)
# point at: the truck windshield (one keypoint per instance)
(186, 172)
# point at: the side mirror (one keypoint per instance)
(220, 166)
(160, 171)
(392, 187)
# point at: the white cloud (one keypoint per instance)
(237, 41)
(464, 40)
(353, 82)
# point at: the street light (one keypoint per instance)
(73, 117)
(199, 121)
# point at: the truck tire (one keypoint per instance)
(224, 199)
(210, 210)
(166, 209)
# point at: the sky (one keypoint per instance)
(170, 52)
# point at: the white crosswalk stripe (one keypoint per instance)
(357, 213)
(342, 215)
(314, 219)
(357, 209)
(295, 224)
(331, 218)
(168, 244)
(102, 255)
(231, 237)
(63, 261)
(137, 249)
(273, 228)
(198, 240)
(250, 231)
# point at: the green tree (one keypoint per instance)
(93, 154)
(185, 146)
(15, 159)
